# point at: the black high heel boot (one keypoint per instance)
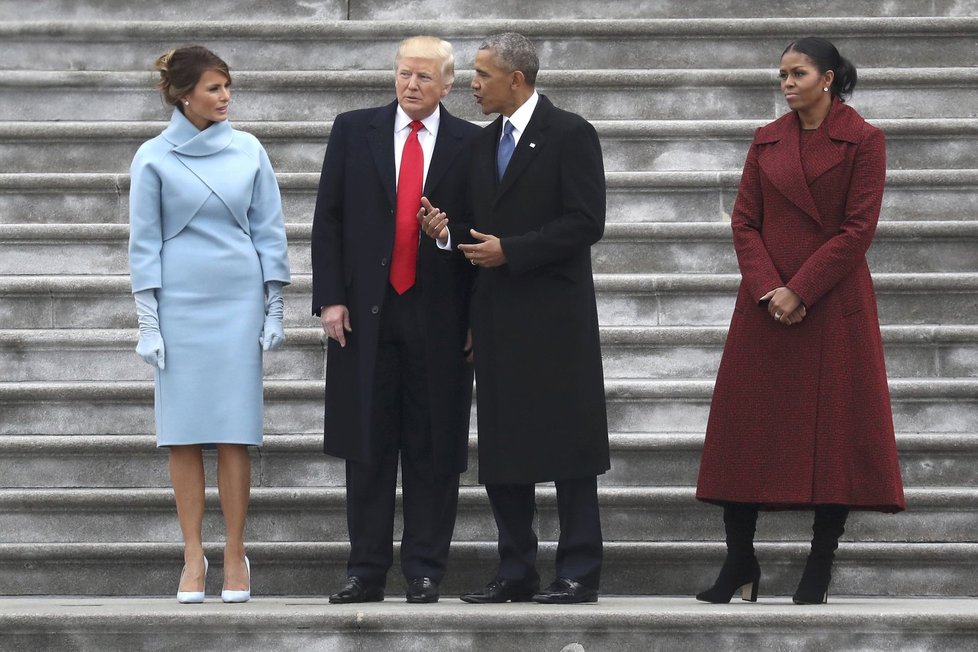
(740, 569)
(828, 526)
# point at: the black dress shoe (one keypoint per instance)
(357, 589)
(565, 591)
(422, 589)
(500, 590)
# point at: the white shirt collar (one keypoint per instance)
(402, 120)
(521, 116)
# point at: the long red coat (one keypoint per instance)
(801, 414)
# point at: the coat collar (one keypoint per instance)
(208, 156)
(533, 139)
(447, 144)
(381, 139)
(781, 162)
(190, 141)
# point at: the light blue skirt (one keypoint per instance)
(212, 310)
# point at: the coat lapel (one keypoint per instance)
(447, 145)
(824, 151)
(532, 140)
(781, 163)
(380, 138)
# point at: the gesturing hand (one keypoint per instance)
(488, 253)
(434, 222)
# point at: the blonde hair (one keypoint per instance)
(429, 47)
(181, 68)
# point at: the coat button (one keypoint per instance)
(375, 310)
(383, 262)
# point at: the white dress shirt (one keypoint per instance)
(426, 137)
(520, 118)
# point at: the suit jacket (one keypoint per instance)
(534, 320)
(801, 414)
(352, 240)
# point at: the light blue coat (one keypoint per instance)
(206, 234)
(172, 176)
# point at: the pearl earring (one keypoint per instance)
(187, 103)
(825, 89)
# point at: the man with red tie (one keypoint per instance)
(395, 309)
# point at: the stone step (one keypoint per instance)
(642, 248)
(349, 45)
(626, 624)
(377, 10)
(932, 405)
(650, 514)
(651, 196)
(99, 301)
(629, 352)
(629, 145)
(658, 459)
(911, 92)
(631, 568)
(707, 248)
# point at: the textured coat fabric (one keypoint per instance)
(801, 415)
(352, 240)
(206, 233)
(538, 366)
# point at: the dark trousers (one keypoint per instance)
(579, 548)
(401, 416)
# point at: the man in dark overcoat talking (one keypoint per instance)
(538, 192)
(395, 309)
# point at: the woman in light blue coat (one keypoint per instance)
(207, 256)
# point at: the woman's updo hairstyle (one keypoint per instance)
(181, 69)
(826, 57)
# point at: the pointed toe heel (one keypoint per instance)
(239, 596)
(193, 597)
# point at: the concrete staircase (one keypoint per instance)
(85, 509)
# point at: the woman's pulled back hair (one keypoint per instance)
(180, 70)
(826, 57)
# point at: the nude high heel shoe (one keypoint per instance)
(239, 596)
(193, 597)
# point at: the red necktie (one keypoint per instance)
(404, 259)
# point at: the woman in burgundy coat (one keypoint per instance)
(801, 414)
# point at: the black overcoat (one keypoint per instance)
(352, 240)
(541, 401)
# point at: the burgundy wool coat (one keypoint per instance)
(801, 414)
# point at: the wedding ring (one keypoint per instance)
(777, 316)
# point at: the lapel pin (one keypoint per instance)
(533, 144)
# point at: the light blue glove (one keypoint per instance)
(150, 345)
(273, 334)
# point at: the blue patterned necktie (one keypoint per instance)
(506, 147)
